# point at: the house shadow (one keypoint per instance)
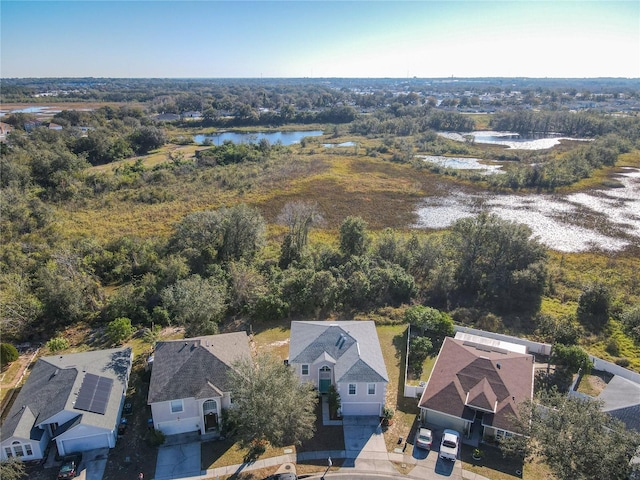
(493, 459)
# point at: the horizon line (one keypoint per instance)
(320, 78)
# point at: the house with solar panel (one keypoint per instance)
(344, 354)
(73, 400)
(189, 385)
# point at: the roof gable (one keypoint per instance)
(352, 345)
(195, 367)
(482, 396)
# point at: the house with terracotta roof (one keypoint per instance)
(73, 400)
(189, 385)
(344, 354)
(476, 386)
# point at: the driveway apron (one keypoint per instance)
(178, 461)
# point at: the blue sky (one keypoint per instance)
(313, 38)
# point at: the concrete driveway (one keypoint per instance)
(365, 446)
(362, 435)
(178, 460)
(93, 463)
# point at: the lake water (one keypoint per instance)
(285, 138)
(461, 163)
(511, 139)
(603, 219)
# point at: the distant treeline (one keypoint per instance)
(578, 124)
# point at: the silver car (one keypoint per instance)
(424, 438)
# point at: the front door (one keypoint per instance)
(210, 412)
(210, 421)
(324, 379)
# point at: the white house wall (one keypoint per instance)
(191, 419)
(172, 423)
(37, 447)
(361, 398)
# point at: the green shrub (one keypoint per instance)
(612, 347)
(333, 399)
(57, 343)
(155, 438)
(8, 354)
(623, 362)
(119, 330)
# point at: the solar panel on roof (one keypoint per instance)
(94, 394)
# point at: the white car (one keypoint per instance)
(450, 445)
(424, 437)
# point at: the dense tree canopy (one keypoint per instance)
(285, 417)
(575, 438)
(496, 262)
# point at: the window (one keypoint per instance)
(352, 389)
(176, 406)
(371, 388)
(305, 369)
(8, 451)
(17, 448)
(210, 406)
(27, 448)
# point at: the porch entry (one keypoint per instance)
(210, 412)
(324, 379)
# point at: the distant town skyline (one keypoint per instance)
(313, 38)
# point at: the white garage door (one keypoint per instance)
(86, 443)
(174, 428)
(361, 409)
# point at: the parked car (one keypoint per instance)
(424, 438)
(69, 467)
(450, 445)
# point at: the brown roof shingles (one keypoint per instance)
(466, 376)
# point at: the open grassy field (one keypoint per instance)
(385, 194)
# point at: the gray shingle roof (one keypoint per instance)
(621, 399)
(53, 383)
(195, 367)
(354, 346)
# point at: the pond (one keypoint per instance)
(602, 219)
(285, 138)
(461, 163)
(343, 144)
(511, 139)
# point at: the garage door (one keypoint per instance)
(174, 428)
(361, 409)
(83, 444)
